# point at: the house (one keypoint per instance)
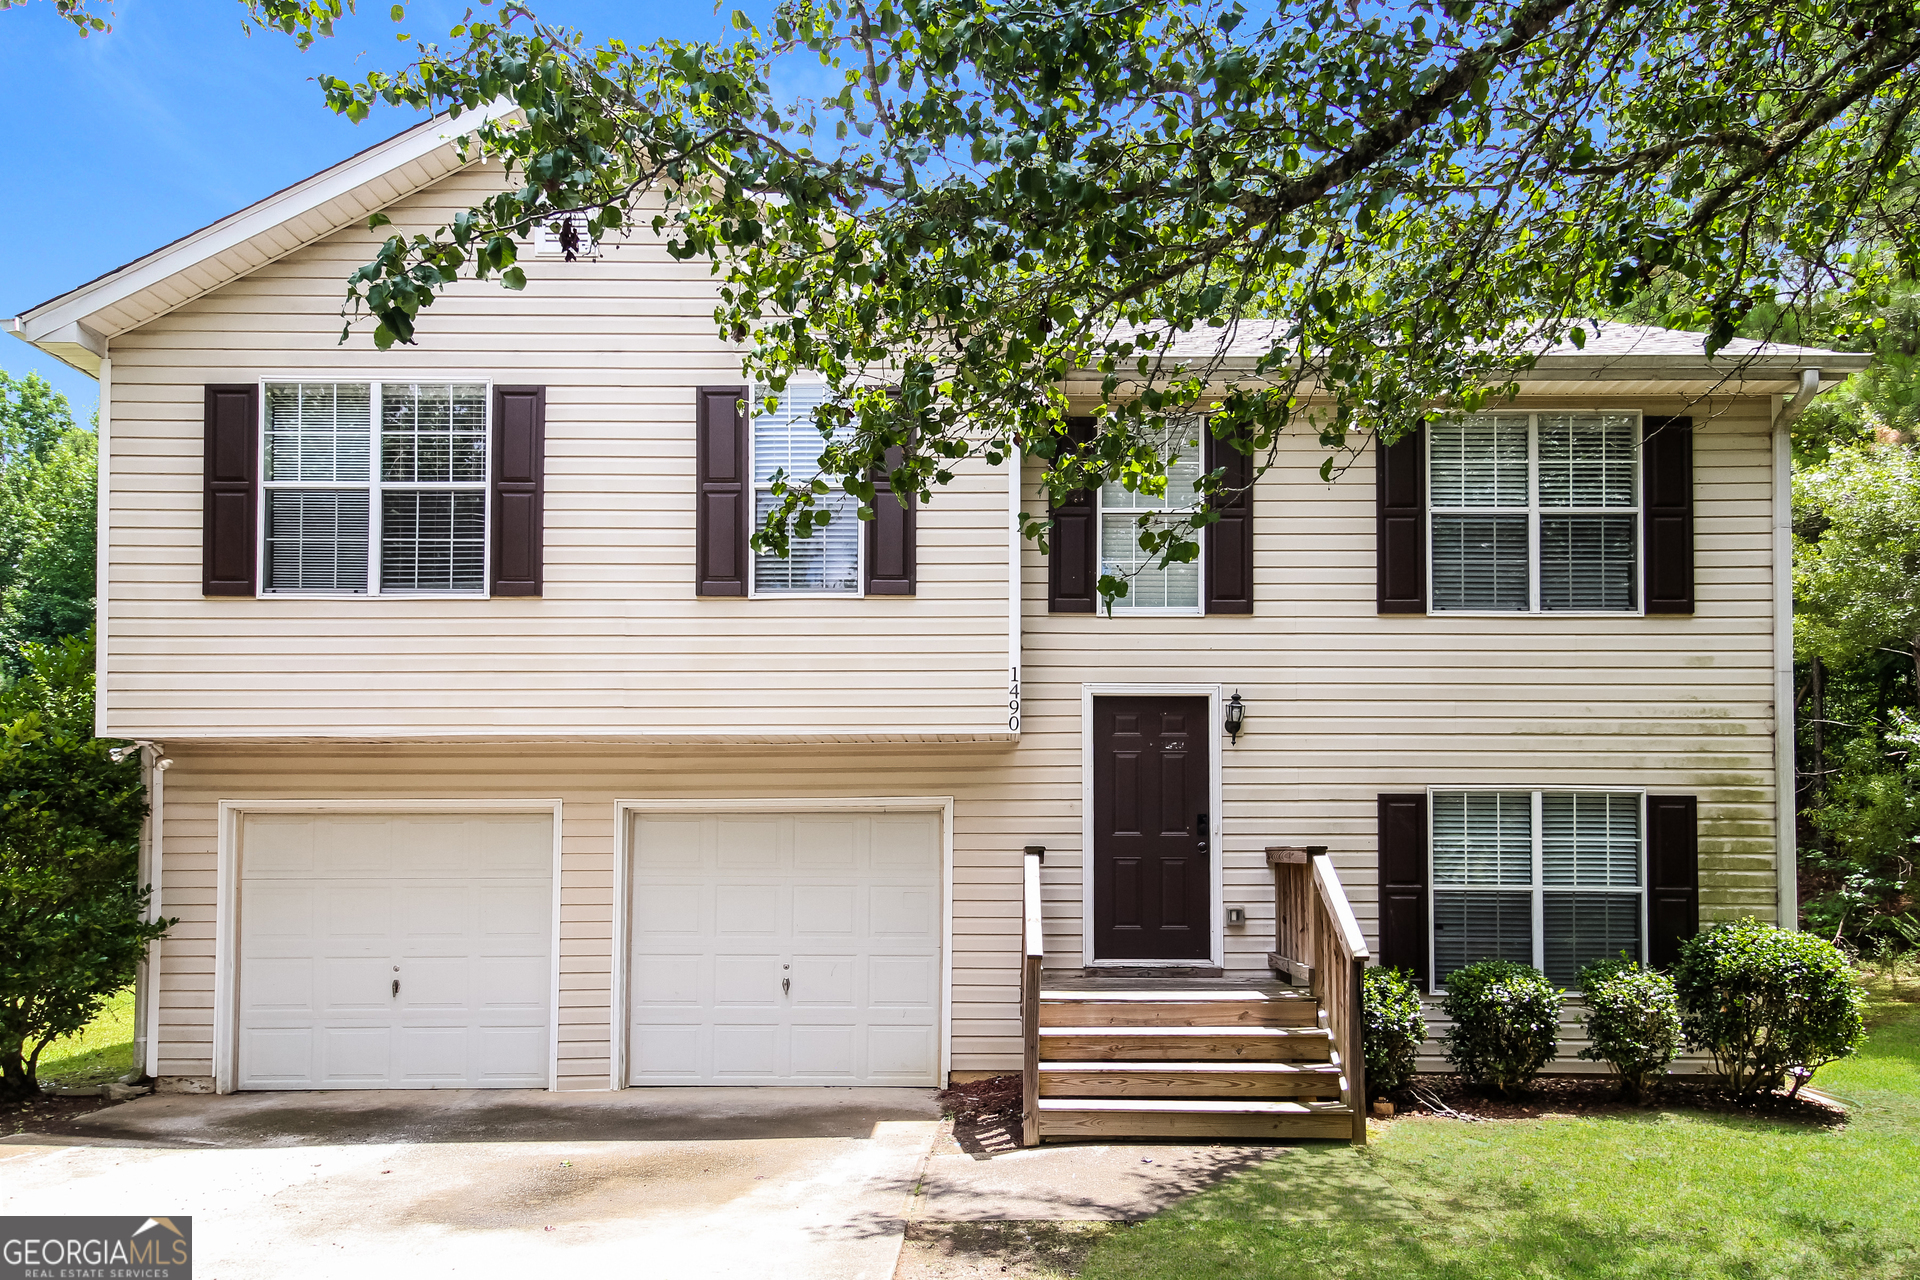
(486, 753)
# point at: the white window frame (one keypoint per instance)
(755, 487)
(1538, 888)
(373, 486)
(1199, 607)
(1533, 511)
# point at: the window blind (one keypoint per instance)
(1488, 925)
(1479, 461)
(316, 540)
(1579, 928)
(1506, 488)
(1176, 586)
(1480, 562)
(787, 442)
(318, 431)
(1590, 838)
(1483, 837)
(433, 433)
(433, 541)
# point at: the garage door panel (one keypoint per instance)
(747, 910)
(748, 844)
(670, 1053)
(827, 844)
(824, 1053)
(824, 981)
(319, 954)
(902, 982)
(282, 1055)
(351, 985)
(748, 1051)
(520, 984)
(902, 912)
(668, 909)
(356, 1057)
(823, 911)
(790, 896)
(746, 981)
(662, 982)
(901, 1055)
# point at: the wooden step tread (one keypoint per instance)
(1149, 1033)
(1176, 995)
(1216, 1067)
(1194, 1106)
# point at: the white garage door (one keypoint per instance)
(793, 948)
(395, 951)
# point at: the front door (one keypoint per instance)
(1152, 882)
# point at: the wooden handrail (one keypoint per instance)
(1317, 943)
(1034, 952)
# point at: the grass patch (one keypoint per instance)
(100, 1051)
(1662, 1193)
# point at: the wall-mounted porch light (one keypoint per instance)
(1236, 717)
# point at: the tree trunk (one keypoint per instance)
(17, 1080)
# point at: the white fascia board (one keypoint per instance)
(40, 324)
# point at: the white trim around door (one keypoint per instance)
(226, 947)
(619, 1028)
(1216, 838)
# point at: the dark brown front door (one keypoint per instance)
(1151, 879)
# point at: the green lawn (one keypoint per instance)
(1664, 1194)
(101, 1051)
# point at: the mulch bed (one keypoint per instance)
(46, 1114)
(1550, 1096)
(994, 1098)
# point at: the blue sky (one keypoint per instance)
(121, 142)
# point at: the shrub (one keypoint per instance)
(1506, 1023)
(1633, 1022)
(1767, 1003)
(1393, 1028)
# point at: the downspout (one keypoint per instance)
(146, 987)
(1785, 766)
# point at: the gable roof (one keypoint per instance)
(76, 326)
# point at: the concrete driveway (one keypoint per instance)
(766, 1183)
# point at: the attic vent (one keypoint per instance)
(565, 235)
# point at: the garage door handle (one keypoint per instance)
(396, 986)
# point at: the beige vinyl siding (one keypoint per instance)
(618, 644)
(1343, 704)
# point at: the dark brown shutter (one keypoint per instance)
(229, 560)
(1403, 884)
(519, 490)
(1673, 876)
(1666, 481)
(1400, 535)
(725, 499)
(890, 536)
(1229, 540)
(1073, 550)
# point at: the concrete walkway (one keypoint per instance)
(761, 1183)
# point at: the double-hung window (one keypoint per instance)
(786, 441)
(375, 488)
(1151, 588)
(1554, 879)
(1535, 512)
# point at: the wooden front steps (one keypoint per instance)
(1186, 1058)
